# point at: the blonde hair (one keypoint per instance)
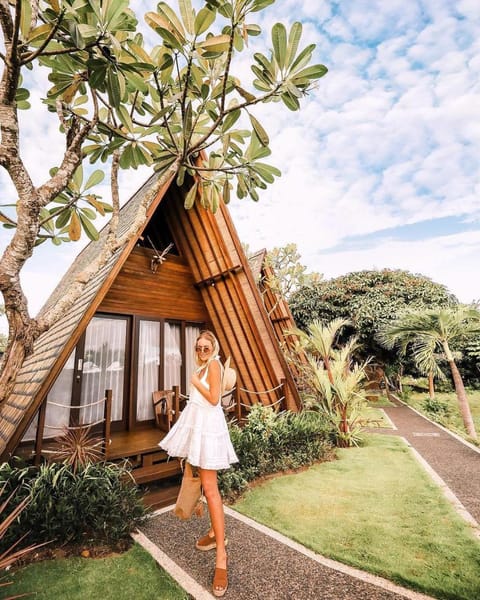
(208, 335)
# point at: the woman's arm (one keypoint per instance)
(214, 377)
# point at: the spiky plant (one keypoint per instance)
(77, 447)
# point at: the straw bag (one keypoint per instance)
(190, 494)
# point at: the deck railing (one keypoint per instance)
(105, 421)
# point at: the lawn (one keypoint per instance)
(376, 509)
(131, 575)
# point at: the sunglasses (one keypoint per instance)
(203, 349)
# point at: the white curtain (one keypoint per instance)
(148, 367)
(172, 356)
(56, 417)
(191, 334)
(103, 368)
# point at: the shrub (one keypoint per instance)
(98, 502)
(272, 442)
(436, 409)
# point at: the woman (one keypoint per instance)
(201, 436)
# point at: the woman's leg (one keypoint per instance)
(217, 516)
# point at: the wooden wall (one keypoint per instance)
(168, 293)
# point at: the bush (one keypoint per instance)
(98, 502)
(436, 409)
(272, 442)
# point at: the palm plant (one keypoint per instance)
(319, 340)
(335, 382)
(435, 330)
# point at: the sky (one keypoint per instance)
(380, 168)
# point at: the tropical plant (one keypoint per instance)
(98, 502)
(333, 380)
(77, 447)
(439, 330)
(177, 108)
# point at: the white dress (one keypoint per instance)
(201, 434)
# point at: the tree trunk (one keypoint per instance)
(462, 400)
(20, 344)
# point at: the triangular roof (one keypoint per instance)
(221, 273)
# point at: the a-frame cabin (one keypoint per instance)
(132, 332)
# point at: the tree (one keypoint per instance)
(177, 107)
(286, 273)
(368, 299)
(438, 330)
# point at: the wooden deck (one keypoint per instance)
(147, 460)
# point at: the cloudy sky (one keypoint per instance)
(380, 169)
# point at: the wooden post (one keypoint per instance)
(107, 417)
(176, 403)
(285, 390)
(238, 407)
(39, 435)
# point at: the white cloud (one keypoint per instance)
(389, 137)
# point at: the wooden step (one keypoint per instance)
(161, 497)
(157, 471)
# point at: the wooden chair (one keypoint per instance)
(166, 407)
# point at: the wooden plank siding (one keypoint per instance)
(211, 246)
(169, 293)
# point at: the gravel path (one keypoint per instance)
(262, 567)
(458, 464)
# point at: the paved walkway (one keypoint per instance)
(266, 565)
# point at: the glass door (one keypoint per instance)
(103, 367)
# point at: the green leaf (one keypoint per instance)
(76, 181)
(279, 40)
(62, 219)
(226, 191)
(293, 41)
(25, 18)
(191, 196)
(260, 5)
(266, 172)
(188, 14)
(302, 59)
(95, 178)
(230, 120)
(113, 88)
(312, 72)
(124, 117)
(260, 131)
(168, 13)
(291, 102)
(203, 20)
(89, 228)
(215, 43)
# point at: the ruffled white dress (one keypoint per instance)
(201, 434)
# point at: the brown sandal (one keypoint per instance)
(220, 582)
(207, 542)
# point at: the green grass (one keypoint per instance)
(454, 420)
(133, 574)
(376, 509)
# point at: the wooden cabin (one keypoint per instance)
(132, 333)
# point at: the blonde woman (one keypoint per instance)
(201, 436)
